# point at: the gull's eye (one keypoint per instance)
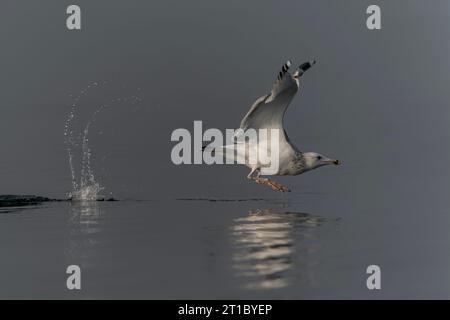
(319, 157)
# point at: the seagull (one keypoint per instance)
(267, 112)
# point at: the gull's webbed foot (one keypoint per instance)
(274, 185)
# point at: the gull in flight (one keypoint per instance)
(267, 112)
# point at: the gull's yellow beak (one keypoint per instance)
(337, 162)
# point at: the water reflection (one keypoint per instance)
(85, 226)
(269, 244)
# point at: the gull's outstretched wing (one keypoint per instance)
(268, 111)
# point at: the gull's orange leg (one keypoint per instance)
(273, 184)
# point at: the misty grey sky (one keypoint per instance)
(377, 100)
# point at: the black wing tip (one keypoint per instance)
(302, 68)
(306, 65)
(284, 69)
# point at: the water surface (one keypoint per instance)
(210, 249)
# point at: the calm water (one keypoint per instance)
(253, 248)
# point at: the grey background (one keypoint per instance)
(376, 100)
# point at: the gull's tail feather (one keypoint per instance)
(230, 152)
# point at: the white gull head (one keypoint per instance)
(313, 160)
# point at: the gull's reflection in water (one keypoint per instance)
(268, 243)
(84, 225)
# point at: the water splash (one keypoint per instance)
(85, 188)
